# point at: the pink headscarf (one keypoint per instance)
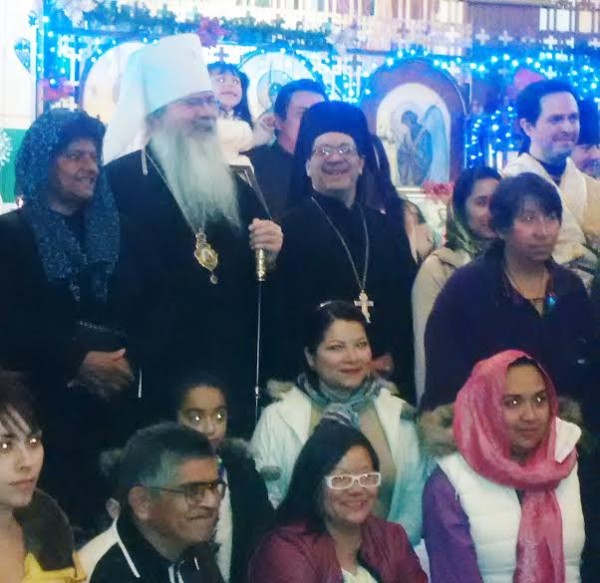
(481, 436)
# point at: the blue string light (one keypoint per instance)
(69, 54)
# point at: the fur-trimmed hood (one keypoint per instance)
(277, 389)
(437, 437)
(47, 533)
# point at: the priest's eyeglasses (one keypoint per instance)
(344, 150)
(346, 481)
(195, 492)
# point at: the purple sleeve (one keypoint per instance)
(452, 557)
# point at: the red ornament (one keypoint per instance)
(439, 191)
(210, 32)
(55, 90)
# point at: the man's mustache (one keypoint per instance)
(204, 124)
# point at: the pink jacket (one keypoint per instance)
(291, 554)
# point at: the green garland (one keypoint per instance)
(113, 20)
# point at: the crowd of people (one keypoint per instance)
(432, 419)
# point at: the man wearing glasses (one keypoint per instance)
(337, 248)
(169, 492)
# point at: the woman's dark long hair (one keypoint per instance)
(324, 449)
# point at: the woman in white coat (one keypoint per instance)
(338, 383)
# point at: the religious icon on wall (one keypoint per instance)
(413, 122)
(418, 112)
(268, 73)
(414, 152)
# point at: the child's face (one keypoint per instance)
(204, 410)
(228, 89)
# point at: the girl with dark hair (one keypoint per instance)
(338, 382)
(245, 512)
(36, 543)
(504, 504)
(515, 296)
(231, 90)
(468, 234)
(237, 133)
(325, 527)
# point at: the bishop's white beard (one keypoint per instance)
(198, 176)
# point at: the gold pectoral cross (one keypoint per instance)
(364, 303)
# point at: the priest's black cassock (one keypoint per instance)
(313, 267)
(212, 327)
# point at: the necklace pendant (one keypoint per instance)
(364, 303)
(206, 256)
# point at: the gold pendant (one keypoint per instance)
(206, 256)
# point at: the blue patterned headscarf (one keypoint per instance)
(63, 257)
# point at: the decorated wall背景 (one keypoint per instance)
(450, 66)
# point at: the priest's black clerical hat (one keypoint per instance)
(589, 122)
(322, 118)
(333, 116)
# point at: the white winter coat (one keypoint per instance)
(284, 428)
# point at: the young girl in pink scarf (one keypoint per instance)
(506, 507)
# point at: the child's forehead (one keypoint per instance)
(205, 395)
(223, 73)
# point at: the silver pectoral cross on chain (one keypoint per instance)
(364, 303)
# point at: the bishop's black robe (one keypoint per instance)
(313, 267)
(212, 327)
(45, 334)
